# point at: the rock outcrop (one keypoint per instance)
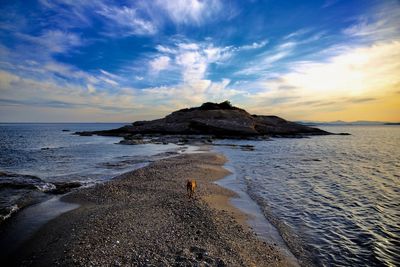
(220, 120)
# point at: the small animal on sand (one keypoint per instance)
(190, 187)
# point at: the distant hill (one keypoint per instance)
(218, 119)
(314, 123)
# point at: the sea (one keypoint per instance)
(35, 157)
(335, 200)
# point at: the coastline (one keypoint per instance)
(144, 217)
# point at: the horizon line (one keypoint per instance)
(99, 122)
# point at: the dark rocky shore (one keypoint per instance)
(144, 218)
(207, 122)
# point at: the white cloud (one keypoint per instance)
(188, 46)
(190, 58)
(193, 65)
(192, 61)
(194, 93)
(160, 63)
(218, 54)
(255, 45)
(164, 49)
(190, 11)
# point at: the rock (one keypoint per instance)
(221, 263)
(199, 252)
(247, 147)
(132, 142)
(84, 133)
(220, 120)
(62, 188)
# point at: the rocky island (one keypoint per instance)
(209, 121)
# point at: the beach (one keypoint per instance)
(144, 218)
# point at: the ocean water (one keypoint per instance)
(334, 199)
(35, 157)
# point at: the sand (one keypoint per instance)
(144, 218)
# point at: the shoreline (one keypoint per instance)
(143, 217)
(254, 215)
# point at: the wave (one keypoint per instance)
(6, 212)
(20, 190)
(23, 181)
(296, 244)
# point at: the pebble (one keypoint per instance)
(135, 221)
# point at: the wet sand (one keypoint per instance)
(144, 218)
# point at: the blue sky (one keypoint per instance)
(66, 60)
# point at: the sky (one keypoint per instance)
(122, 61)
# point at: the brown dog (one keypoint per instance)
(190, 187)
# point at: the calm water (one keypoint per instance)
(50, 155)
(335, 198)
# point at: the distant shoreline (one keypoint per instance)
(145, 217)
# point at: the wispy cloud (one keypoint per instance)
(190, 11)
(133, 17)
(110, 75)
(116, 20)
(49, 92)
(265, 60)
(126, 21)
(255, 45)
(297, 33)
(69, 14)
(329, 3)
(53, 41)
(384, 24)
